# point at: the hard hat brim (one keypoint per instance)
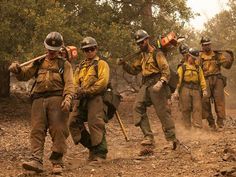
(180, 39)
(184, 51)
(206, 43)
(51, 48)
(141, 39)
(89, 45)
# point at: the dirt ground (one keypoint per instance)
(202, 153)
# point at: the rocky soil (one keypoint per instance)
(201, 153)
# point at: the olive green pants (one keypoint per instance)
(191, 106)
(147, 97)
(46, 115)
(215, 89)
(93, 112)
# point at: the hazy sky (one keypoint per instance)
(206, 9)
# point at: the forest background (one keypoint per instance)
(25, 24)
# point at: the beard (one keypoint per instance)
(207, 49)
(52, 55)
(144, 48)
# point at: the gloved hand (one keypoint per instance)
(176, 95)
(157, 86)
(15, 67)
(204, 94)
(120, 61)
(229, 51)
(66, 103)
(80, 93)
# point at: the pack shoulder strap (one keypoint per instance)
(185, 69)
(61, 66)
(95, 64)
(154, 55)
(96, 70)
(36, 63)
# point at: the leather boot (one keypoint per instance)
(33, 165)
(148, 141)
(57, 169)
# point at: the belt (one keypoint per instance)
(151, 79)
(191, 85)
(210, 75)
(46, 94)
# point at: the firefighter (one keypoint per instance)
(191, 87)
(211, 63)
(154, 90)
(91, 80)
(51, 100)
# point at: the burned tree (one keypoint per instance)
(4, 79)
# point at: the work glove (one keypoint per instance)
(158, 85)
(66, 103)
(80, 93)
(120, 61)
(15, 67)
(204, 94)
(230, 52)
(175, 95)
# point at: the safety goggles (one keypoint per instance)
(89, 49)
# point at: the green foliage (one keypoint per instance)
(222, 31)
(222, 28)
(16, 27)
(25, 23)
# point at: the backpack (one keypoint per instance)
(229, 64)
(111, 97)
(174, 77)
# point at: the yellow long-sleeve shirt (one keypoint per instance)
(91, 80)
(191, 74)
(211, 62)
(146, 64)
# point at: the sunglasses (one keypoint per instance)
(140, 43)
(92, 49)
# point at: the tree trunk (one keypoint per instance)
(147, 21)
(4, 79)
